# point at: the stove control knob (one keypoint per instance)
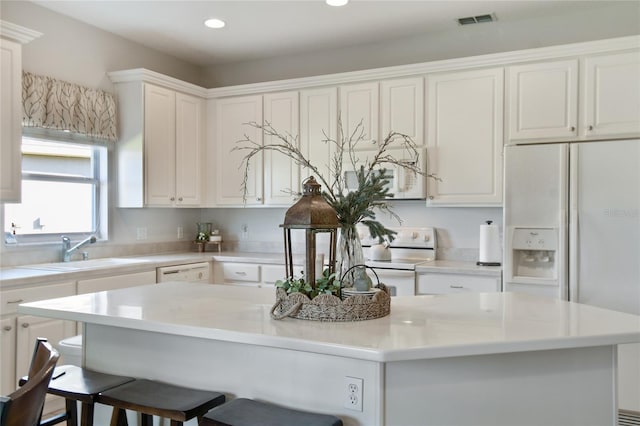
(427, 237)
(414, 235)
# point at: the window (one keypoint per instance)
(63, 191)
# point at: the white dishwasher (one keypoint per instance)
(193, 272)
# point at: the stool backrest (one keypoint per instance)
(24, 406)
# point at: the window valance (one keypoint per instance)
(53, 104)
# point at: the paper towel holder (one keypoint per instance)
(482, 263)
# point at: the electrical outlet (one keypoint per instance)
(180, 233)
(353, 388)
(141, 233)
(245, 232)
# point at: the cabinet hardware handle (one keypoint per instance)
(7, 328)
(241, 273)
(258, 199)
(456, 286)
(172, 198)
(180, 199)
(15, 301)
(573, 128)
(590, 127)
(25, 325)
(431, 197)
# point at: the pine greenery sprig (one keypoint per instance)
(355, 206)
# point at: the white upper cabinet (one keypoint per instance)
(159, 145)
(594, 97)
(318, 121)
(189, 149)
(611, 88)
(543, 101)
(359, 103)
(464, 138)
(402, 108)
(281, 173)
(232, 114)
(10, 121)
(159, 151)
(173, 130)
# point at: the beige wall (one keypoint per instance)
(620, 18)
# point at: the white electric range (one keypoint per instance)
(411, 247)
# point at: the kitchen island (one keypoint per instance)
(463, 359)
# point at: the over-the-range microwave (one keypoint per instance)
(403, 184)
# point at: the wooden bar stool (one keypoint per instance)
(247, 412)
(78, 384)
(151, 398)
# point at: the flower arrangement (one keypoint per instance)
(352, 206)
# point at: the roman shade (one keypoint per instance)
(59, 105)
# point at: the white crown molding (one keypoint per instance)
(148, 76)
(17, 33)
(481, 61)
(400, 71)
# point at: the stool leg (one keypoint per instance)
(119, 417)
(146, 420)
(86, 418)
(72, 412)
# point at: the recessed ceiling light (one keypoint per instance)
(336, 2)
(214, 23)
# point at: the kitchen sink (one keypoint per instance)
(79, 265)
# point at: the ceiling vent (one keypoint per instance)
(477, 19)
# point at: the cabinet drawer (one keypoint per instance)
(273, 273)
(10, 299)
(456, 283)
(241, 272)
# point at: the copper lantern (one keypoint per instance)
(314, 215)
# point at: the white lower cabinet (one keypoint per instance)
(7, 355)
(440, 283)
(19, 333)
(249, 274)
(116, 282)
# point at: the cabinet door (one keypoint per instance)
(159, 145)
(29, 328)
(402, 108)
(359, 103)
(281, 173)
(543, 101)
(611, 85)
(189, 149)
(10, 121)
(232, 114)
(318, 121)
(8, 355)
(464, 139)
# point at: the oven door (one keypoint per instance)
(399, 282)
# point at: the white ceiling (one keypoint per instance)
(268, 28)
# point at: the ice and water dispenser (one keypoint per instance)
(534, 254)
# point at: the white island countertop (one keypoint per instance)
(419, 327)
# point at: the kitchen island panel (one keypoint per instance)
(290, 378)
(557, 387)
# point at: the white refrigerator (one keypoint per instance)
(572, 231)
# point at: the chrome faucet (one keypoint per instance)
(67, 250)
